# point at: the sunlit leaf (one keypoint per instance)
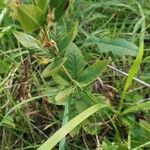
(27, 40)
(30, 17)
(52, 67)
(63, 131)
(137, 107)
(64, 94)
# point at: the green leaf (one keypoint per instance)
(9, 121)
(144, 124)
(4, 66)
(2, 14)
(30, 17)
(64, 94)
(42, 4)
(63, 131)
(27, 40)
(1, 4)
(137, 107)
(61, 79)
(67, 38)
(134, 67)
(51, 93)
(60, 7)
(138, 135)
(133, 70)
(118, 47)
(53, 67)
(65, 120)
(75, 61)
(109, 146)
(93, 71)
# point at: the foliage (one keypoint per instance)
(54, 65)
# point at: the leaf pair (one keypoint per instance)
(31, 17)
(70, 71)
(75, 65)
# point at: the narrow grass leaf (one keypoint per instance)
(131, 74)
(62, 132)
(134, 67)
(65, 120)
(138, 107)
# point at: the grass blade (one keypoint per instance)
(65, 120)
(139, 107)
(132, 72)
(62, 132)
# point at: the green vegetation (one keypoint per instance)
(74, 75)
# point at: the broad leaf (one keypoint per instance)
(61, 79)
(118, 47)
(42, 4)
(60, 7)
(53, 67)
(30, 17)
(67, 38)
(64, 94)
(93, 71)
(63, 131)
(75, 61)
(51, 93)
(27, 40)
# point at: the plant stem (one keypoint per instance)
(134, 78)
(45, 32)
